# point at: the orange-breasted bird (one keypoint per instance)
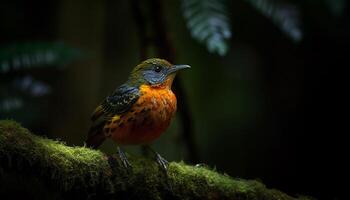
(139, 110)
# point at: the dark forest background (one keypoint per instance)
(266, 108)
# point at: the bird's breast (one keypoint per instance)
(147, 119)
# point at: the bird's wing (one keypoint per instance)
(121, 100)
(117, 103)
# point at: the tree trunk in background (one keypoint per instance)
(81, 24)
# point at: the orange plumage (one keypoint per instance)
(147, 118)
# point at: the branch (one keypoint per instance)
(49, 167)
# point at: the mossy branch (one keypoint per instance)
(50, 168)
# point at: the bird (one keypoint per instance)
(139, 110)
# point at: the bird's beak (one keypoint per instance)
(176, 68)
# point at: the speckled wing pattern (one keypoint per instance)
(121, 100)
(117, 103)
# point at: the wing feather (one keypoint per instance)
(121, 100)
(117, 103)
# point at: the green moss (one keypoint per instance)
(65, 164)
(76, 169)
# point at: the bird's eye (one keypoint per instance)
(157, 68)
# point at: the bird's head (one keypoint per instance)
(155, 72)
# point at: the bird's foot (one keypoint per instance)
(164, 166)
(159, 159)
(124, 159)
(162, 162)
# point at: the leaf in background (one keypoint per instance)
(285, 15)
(29, 86)
(9, 104)
(35, 54)
(20, 92)
(208, 22)
(26, 110)
(337, 7)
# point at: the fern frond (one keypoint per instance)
(208, 22)
(36, 54)
(285, 15)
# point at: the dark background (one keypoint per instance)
(268, 110)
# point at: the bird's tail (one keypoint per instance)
(95, 136)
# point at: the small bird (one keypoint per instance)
(139, 110)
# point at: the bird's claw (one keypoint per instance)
(159, 159)
(162, 162)
(124, 159)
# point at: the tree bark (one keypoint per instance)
(41, 168)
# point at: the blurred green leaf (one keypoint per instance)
(337, 7)
(10, 103)
(208, 22)
(36, 54)
(285, 15)
(20, 91)
(24, 109)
